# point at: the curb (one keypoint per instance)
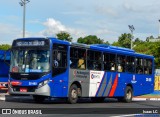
(146, 99)
(4, 96)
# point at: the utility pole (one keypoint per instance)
(23, 3)
(131, 27)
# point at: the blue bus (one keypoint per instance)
(48, 67)
(4, 69)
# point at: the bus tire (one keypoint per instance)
(39, 99)
(73, 94)
(128, 94)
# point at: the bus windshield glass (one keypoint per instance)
(27, 61)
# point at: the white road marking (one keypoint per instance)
(131, 115)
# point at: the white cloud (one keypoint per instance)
(52, 27)
(130, 7)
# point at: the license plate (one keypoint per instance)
(23, 89)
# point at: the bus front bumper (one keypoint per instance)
(44, 90)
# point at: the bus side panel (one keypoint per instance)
(59, 85)
(4, 71)
(122, 80)
(145, 84)
(110, 84)
(82, 77)
(125, 79)
(106, 84)
(116, 84)
(141, 84)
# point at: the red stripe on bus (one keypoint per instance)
(114, 86)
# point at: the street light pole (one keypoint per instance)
(23, 3)
(159, 29)
(131, 27)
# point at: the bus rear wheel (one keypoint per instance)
(128, 94)
(73, 94)
(39, 99)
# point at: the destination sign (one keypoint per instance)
(30, 43)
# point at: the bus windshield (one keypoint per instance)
(27, 61)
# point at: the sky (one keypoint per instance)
(107, 19)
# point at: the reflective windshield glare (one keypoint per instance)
(25, 61)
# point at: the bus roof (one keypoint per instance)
(119, 50)
(101, 47)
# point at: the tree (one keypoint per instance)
(125, 40)
(151, 37)
(116, 44)
(150, 48)
(91, 39)
(107, 43)
(148, 38)
(64, 36)
(144, 47)
(5, 47)
(137, 40)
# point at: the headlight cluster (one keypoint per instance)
(43, 83)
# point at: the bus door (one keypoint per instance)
(59, 69)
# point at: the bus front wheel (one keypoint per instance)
(73, 94)
(128, 94)
(39, 99)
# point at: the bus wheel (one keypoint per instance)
(128, 94)
(97, 99)
(73, 94)
(39, 99)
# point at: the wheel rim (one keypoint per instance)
(74, 94)
(129, 95)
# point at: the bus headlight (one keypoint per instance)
(43, 83)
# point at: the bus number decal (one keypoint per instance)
(148, 79)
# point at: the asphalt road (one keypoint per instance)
(110, 107)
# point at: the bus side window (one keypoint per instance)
(94, 60)
(139, 66)
(130, 64)
(121, 63)
(77, 58)
(146, 69)
(112, 62)
(106, 62)
(59, 62)
(73, 57)
(149, 64)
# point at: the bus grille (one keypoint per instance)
(29, 89)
